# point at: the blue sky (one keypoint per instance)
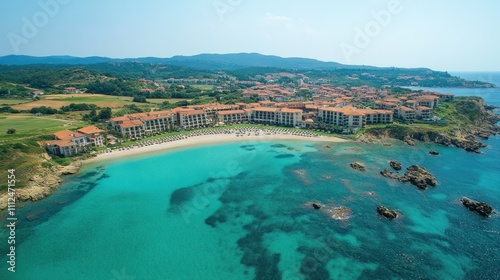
(442, 35)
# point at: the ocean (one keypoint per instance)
(242, 211)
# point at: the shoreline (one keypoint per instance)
(154, 147)
(42, 186)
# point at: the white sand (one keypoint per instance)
(208, 139)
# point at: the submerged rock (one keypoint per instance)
(389, 174)
(358, 166)
(339, 213)
(388, 214)
(482, 208)
(434, 153)
(395, 164)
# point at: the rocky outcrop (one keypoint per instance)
(388, 214)
(416, 175)
(474, 119)
(396, 165)
(316, 205)
(43, 184)
(69, 169)
(480, 208)
(419, 176)
(358, 166)
(433, 152)
(408, 140)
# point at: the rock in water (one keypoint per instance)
(419, 176)
(389, 174)
(395, 164)
(316, 205)
(359, 166)
(434, 153)
(482, 208)
(388, 214)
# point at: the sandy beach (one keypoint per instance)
(205, 139)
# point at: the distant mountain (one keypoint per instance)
(201, 61)
(63, 60)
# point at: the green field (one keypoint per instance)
(8, 102)
(203, 87)
(28, 125)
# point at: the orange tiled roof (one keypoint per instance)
(288, 110)
(193, 112)
(67, 135)
(230, 112)
(90, 130)
(131, 123)
(265, 109)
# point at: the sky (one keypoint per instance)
(446, 35)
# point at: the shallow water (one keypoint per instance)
(237, 211)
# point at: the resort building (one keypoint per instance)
(263, 115)
(67, 135)
(423, 112)
(192, 119)
(233, 116)
(352, 117)
(289, 117)
(94, 135)
(132, 129)
(405, 113)
(430, 101)
(138, 125)
(62, 148)
(69, 143)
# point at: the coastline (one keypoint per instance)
(201, 140)
(42, 185)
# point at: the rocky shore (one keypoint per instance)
(42, 184)
(479, 123)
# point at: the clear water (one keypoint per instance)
(236, 211)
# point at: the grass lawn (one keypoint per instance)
(28, 125)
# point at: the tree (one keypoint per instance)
(11, 131)
(92, 116)
(140, 99)
(105, 114)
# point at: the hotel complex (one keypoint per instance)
(334, 108)
(351, 109)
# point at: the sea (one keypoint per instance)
(243, 211)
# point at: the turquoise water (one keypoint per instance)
(237, 211)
